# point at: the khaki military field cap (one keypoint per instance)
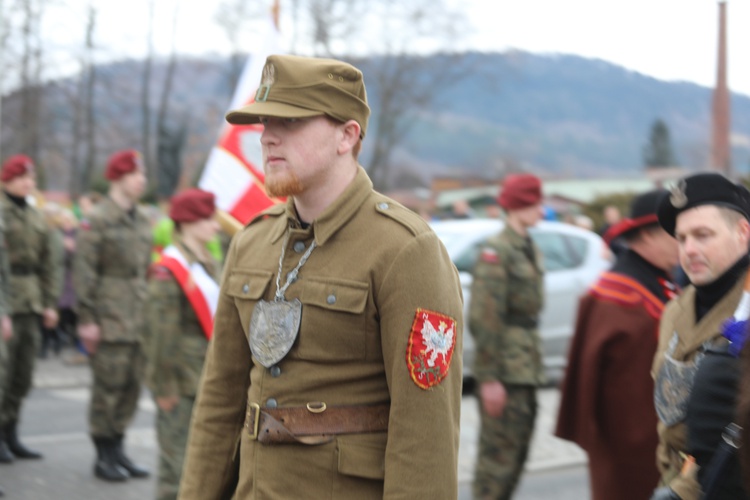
(300, 87)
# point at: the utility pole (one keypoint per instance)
(720, 148)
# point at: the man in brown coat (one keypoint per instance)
(109, 274)
(607, 403)
(335, 366)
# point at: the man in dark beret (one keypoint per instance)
(695, 378)
(334, 370)
(506, 299)
(112, 258)
(183, 291)
(607, 397)
(34, 286)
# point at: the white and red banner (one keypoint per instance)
(199, 287)
(234, 170)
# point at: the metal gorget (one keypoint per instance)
(674, 383)
(274, 325)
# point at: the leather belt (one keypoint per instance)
(315, 423)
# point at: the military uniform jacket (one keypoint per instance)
(175, 342)
(679, 319)
(113, 253)
(4, 272)
(507, 295)
(35, 274)
(375, 266)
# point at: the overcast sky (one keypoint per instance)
(667, 39)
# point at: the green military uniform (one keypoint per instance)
(506, 299)
(176, 350)
(113, 253)
(375, 279)
(684, 339)
(4, 304)
(35, 284)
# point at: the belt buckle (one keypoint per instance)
(256, 420)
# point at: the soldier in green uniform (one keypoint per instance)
(6, 326)
(183, 291)
(109, 274)
(35, 282)
(335, 366)
(506, 299)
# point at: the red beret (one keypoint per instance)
(192, 205)
(520, 191)
(16, 166)
(121, 163)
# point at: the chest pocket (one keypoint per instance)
(333, 320)
(247, 288)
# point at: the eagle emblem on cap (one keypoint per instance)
(267, 79)
(678, 198)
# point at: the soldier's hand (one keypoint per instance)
(493, 397)
(6, 326)
(50, 317)
(90, 336)
(167, 403)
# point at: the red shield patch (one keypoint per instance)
(430, 349)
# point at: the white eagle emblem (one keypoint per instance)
(437, 341)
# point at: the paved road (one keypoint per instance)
(54, 421)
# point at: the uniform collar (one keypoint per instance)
(124, 215)
(515, 238)
(335, 216)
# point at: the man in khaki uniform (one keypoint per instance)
(708, 215)
(35, 283)
(335, 367)
(183, 292)
(506, 297)
(113, 252)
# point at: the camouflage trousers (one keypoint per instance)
(504, 445)
(172, 429)
(19, 372)
(117, 369)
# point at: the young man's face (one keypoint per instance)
(298, 153)
(21, 186)
(709, 243)
(529, 216)
(134, 184)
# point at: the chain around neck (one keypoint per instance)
(292, 276)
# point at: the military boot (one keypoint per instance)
(106, 466)
(16, 447)
(6, 456)
(135, 470)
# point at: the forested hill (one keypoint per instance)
(557, 114)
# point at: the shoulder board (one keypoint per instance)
(272, 211)
(623, 290)
(399, 213)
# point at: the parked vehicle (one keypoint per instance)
(573, 259)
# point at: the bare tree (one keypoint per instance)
(146, 93)
(170, 138)
(234, 17)
(88, 127)
(395, 36)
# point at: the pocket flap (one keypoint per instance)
(361, 460)
(249, 285)
(336, 295)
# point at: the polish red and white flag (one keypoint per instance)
(234, 170)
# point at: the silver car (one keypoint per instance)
(573, 259)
